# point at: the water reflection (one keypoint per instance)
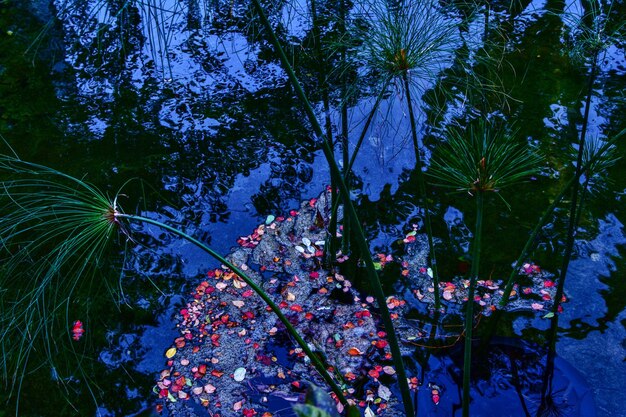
(190, 100)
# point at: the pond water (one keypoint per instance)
(188, 99)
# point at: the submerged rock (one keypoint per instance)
(234, 357)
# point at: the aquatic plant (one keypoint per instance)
(361, 239)
(480, 161)
(409, 43)
(55, 232)
(596, 159)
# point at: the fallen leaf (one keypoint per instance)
(239, 374)
(384, 392)
(389, 370)
(237, 406)
(170, 353)
(373, 373)
(209, 389)
(354, 352)
(249, 412)
(380, 344)
(238, 303)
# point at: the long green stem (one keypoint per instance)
(571, 235)
(361, 241)
(344, 124)
(544, 218)
(469, 309)
(421, 183)
(347, 172)
(256, 288)
(368, 122)
(331, 248)
(571, 227)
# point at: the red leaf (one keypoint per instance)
(248, 412)
(381, 344)
(354, 352)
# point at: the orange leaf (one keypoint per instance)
(354, 352)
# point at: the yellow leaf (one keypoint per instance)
(170, 353)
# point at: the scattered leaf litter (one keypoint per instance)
(233, 356)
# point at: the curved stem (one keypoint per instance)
(469, 309)
(347, 172)
(572, 225)
(256, 288)
(544, 218)
(370, 117)
(421, 183)
(361, 241)
(531, 239)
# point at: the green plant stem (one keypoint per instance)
(544, 218)
(529, 243)
(469, 309)
(361, 241)
(266, 298)
(421, 183)
(572, 225)
(345, 248)
(368, 122)
(347, 172)
(331, 248)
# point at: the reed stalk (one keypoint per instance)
(423, 198)
(319, 366)
(361, 240)
(469, 308)
(82, 219)
(486, 161)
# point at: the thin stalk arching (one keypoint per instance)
(421, 183)
(571, 227)
(544, 218)
(372, 274)
(345, 247)
(266, 298)
(368, 122)
(347, 172)
(331, 249)
(469, 310)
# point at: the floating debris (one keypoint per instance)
(226, 326)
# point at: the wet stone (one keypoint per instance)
(235, 357)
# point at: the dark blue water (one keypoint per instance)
(189, 100)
